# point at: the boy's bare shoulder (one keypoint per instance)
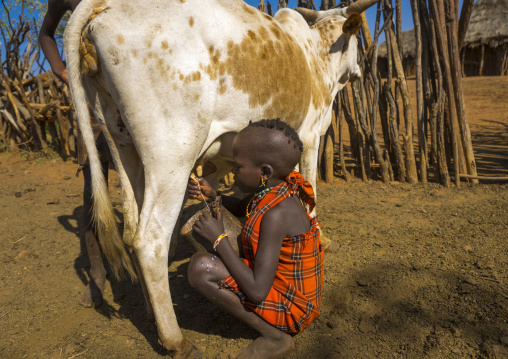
(289, 216)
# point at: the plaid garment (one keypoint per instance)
(294, 299)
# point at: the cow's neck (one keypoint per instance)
(330, 59)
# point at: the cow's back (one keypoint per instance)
(228, 60)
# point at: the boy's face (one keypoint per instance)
(247, 173)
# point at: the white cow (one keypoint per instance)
(171, 83)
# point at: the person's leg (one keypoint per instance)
(204, 271)
(92, 297)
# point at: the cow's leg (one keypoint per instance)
(308, 169)
(164, 195)
(130, 173)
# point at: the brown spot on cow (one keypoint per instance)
(276, 30)
(120, 39)
(196, 97)
(134, 52)
(256, 68)
(164, 45)
(222, 86)
(196, 76)
(191, 21)
(150, 54)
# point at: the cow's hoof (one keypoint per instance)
(187, 350)
(328, 245)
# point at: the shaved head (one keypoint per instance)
(271, 142)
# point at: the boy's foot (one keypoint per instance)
(266, 348)
(92, 296)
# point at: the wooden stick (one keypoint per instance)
(441, 165)
(442, 43)
(411, 173)
(484, 177)
(456, 75)
(375, 100)
(341, 149)
(422, 142)
(465, 15)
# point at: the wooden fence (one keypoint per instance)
(378, 139)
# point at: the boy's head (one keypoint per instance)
(270, 142)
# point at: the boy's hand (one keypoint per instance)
(199, 188)
(64, 77)
(208, 227)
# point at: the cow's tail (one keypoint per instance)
(104, 217)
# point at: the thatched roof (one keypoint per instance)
(408, 44)
(488, 24)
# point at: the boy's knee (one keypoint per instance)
(197, 267)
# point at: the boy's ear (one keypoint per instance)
(267, 171)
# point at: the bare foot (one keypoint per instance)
(266, 348)
(92, 296)
(328, 245)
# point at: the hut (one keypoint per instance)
(485, 49)
(408, 51)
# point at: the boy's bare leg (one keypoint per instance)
(92, 297)
(204, 271)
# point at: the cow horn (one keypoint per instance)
(309, 15)
(358, 7)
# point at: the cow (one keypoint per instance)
(171, 82)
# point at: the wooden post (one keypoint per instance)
(467, 145)
(437, 114)
(385, 175)
(480, 71)
(398, 20)
(341, 147)
(320, 164)
(355, 138)
(262, 6)
(441, 41)
(328, 155)
(465, 15)
(422, 142)
(411, 173)
(364, 134)
(428, 84)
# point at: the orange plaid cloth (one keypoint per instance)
(294, 299)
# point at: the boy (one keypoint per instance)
(92, 297)
(276, 288)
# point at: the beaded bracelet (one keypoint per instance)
(217, 241)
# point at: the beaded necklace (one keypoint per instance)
(256, 199)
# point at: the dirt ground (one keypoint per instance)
(421, 271)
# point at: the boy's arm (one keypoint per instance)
(203, 191)
(255, 283)
(56, 10)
